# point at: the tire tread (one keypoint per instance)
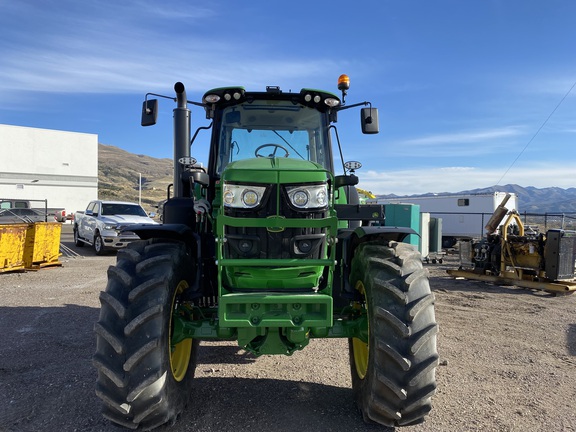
(402, 357)
(135, 383)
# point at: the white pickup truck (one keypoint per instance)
(101, 225)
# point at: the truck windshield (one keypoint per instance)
(272, 128)
(122, 209)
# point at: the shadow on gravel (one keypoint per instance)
(571, 339)
(47, 383)
(263, 405)
(224, 355)
(46, 375)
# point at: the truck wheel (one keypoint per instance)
(77, 242)
(144, 379)
(393, 375)
(99, 245)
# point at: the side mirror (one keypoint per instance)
(369, 120)
(149, 112)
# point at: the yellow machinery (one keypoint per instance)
(510, 256)
(364, 195)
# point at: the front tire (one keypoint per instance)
(99, 245)
(143, 379)
(393, 375)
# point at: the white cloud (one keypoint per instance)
(478, 136)
(67, 73)
(460, 144)
(119, 47)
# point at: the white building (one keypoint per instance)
(41, 164)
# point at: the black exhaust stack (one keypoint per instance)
(181, 137)
(180, 208)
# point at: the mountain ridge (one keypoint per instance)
(530, 198)
(119, 172)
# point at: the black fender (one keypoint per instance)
(368, 233)
(174, 232)
(348, 241)
(179, 232)
(392, 233)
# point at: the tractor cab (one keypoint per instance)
(269, 124)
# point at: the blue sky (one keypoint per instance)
(471, 93)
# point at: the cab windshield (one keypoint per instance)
(272, 129)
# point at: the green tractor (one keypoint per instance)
(269, 247)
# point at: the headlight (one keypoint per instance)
(242, 196)
(110, 226)
(308, 196)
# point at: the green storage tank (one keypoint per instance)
(404, 215)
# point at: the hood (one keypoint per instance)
(274, 170)
(127, 219)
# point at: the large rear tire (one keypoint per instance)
(143, 379)
(393, 375)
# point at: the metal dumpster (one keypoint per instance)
(12, 246)
(42, 245)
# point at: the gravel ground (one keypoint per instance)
(508, 362)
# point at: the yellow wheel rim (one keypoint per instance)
(181, 352)
(359, 348)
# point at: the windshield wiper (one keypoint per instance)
(288, 144)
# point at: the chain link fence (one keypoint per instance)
(546, 221)
(533, 222)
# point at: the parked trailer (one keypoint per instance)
(463, 215)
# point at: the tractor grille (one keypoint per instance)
(268, 243)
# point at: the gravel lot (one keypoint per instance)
(508, 362)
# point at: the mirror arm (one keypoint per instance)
(342, 108)
(158, 95)
(174, 99)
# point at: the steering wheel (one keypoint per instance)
(273, 154)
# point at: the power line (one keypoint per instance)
(537, 132)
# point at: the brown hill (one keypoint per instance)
(119, 172)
